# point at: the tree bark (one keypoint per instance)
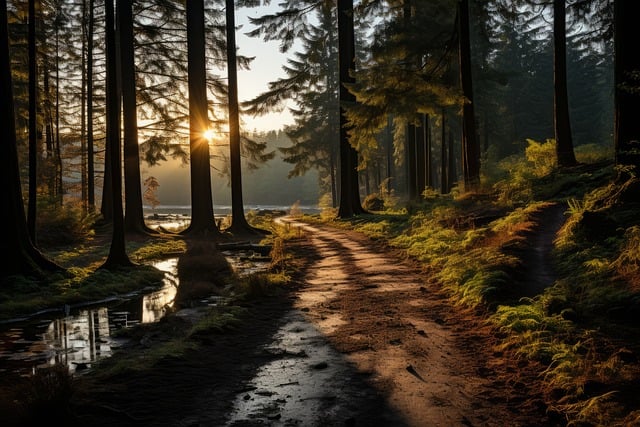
(91, 198)
(117, 252)
(561, 119)
(202, 218)
(20, 256)
(412, 170)
(350, 203)
(444, 185)
(627, 102)
(134, 215)
(421, 157)
(470, 146)
(239, 225)
(33, 121)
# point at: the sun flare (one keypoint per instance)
(209, 134)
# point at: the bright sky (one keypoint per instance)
(266, 67)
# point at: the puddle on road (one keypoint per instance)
(81, 336)
(308, 384)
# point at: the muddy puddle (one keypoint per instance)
(79, 336)
(307, 383)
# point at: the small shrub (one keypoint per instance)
(46, 395)
(542, 155)
(63, 225)
(373, 202)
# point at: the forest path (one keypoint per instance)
(430, 361)
(365, 338)
(539, 272)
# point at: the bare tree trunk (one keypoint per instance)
(117, 252)
(627, 101)
(239, 225)
(91, 198)
(350, 204)
(202, 219)
(33, 122)
(20, 256)
(421, 156)
(561, 120)
(134, 215)
(470, 147)
(444, 185)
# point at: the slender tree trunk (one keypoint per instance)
(561, 120)
(47, 117)
(91, 198)
(332, 171)
(134, 215)
(470, 146)
(58, 148)
(202, 219)
(412, 170)
(239, 225)
(452, 175)
(350, 204)
(444, 186)
(33, 122)
(389, 152)
(428, 157)
(117, 252)
(627, 102)
(421, 156)
(83, 110)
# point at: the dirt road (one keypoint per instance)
(364, 340)
(431, 361)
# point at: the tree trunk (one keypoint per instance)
(83, 111)
(427, 159)
(561, 120)
(91, 198)
(134, 215)
(332, 171)
(421, 157)
(444, 185)
(350, 204)
(239, 225)
(58, 148)
(20, 256)
(389, 153)
(33, 122)
(202, 219)
(627, 102)
(470, 146)
(117, 252)
(412, 170)
(452, 175)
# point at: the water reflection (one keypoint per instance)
(83, 336)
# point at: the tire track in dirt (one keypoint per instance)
(391, 323)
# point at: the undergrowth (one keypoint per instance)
(581, 326)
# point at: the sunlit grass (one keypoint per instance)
(20, 295)
(597, 264)
(156, 248)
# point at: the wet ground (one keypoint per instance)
(363, 339)
(308, 384)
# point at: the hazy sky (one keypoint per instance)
(266, 67)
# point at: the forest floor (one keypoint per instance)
(364, 337)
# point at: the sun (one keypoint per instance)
(209, 134)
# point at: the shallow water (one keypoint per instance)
(78, 337)
(307, 383)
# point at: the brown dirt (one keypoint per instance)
(408, 356)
